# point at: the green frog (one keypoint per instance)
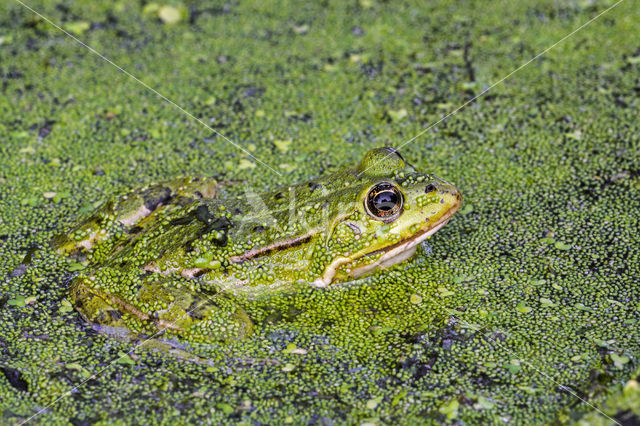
(174, 258)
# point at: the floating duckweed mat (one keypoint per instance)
(525, 305)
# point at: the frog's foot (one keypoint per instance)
(164, 306)
(110, 320)
(132, 211)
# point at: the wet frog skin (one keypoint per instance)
(174, 257)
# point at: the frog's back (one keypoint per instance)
(126, 216)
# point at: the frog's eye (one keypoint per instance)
(384, 202)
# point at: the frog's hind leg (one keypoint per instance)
(172, 306)
(192, 314)
(128, 212)
(107, 316)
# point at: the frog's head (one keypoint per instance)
(396, 208)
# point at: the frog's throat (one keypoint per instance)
(396, 253)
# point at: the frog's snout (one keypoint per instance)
(448, 193)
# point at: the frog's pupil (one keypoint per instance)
(386, 200)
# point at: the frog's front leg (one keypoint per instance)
(157, 304)
(128, 211)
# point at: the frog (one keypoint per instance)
(175, 258)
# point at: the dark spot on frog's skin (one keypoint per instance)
(442, 201)
(198, 194)
(194, 305)
(201, 272)
(198, 307)
(102, 318)
(313, 186)
(155, 196)
(80, 303)
(135, 230)
(278, 196)
(183, 201)
(429, 188)
(211, 222)
(203, 215)
(218, 224)
(195, 312)
(222, 241)
(115, 315)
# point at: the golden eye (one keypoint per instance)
(384, 202)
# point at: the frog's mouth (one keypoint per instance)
(391, 255)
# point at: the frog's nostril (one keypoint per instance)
(429, 188)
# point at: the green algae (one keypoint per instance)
(529, 297)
